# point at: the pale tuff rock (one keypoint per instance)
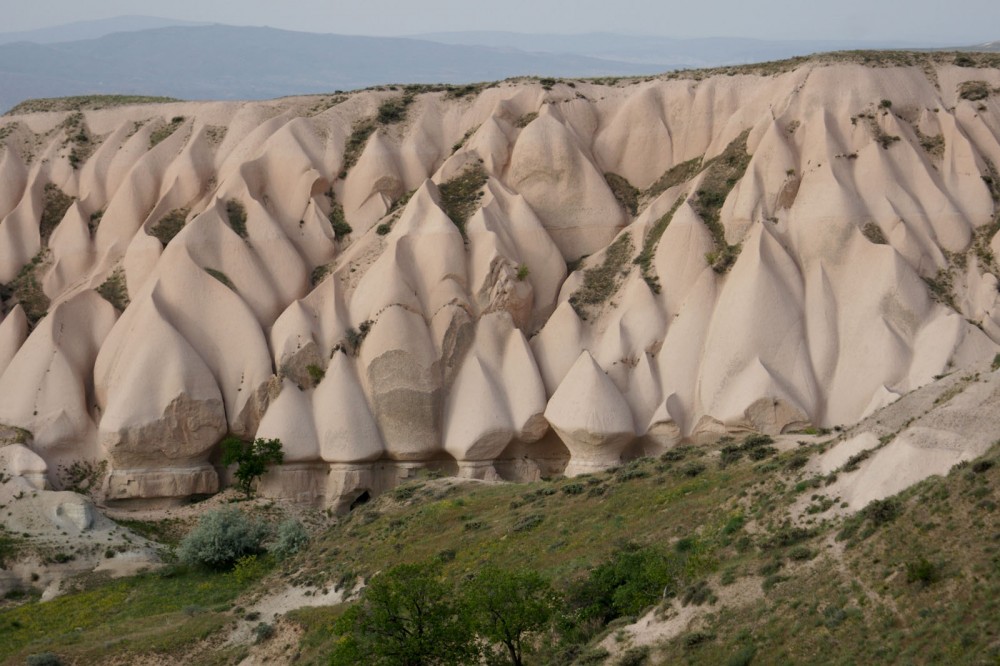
(445, 328)
(591, 417)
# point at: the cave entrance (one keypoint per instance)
(360, 500)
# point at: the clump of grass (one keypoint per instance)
(881, 137)
(932, 145)
(169, 225)
(645, 257)
(626, 194)
(55, 204)
(237, 215)
(356, 144)
(873, 232)
(460, 195)
(394, 111)
(337, 219)
(26, 289)
(525, 120)
(166, 130)
(974, 91)
(601, 282)
(319, 273)
(940, 287)
(722, 174)
(675, 175)
(316, 373)
(115, 290)
(221, 277)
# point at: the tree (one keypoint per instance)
(406, 617)
(251, 459)
(506, 606)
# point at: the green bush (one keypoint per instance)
(291, 538)
(633, 579)
(221, 538)
(923, 571)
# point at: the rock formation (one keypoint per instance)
(523, 280)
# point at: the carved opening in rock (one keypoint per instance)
(361, 500)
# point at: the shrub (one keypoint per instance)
(221, 538)
(115, 290)
(601, 282)
(43, 659)
(291, 538)
(237, 215)
(634, 656)
(169, 225)
(923, 571)
(626, 193)
(262, 632)
(633, 579)
(55, 204)
(461, 194)
(252, 459)
(522, 272)
(973, 91)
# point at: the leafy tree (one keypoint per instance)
(406, 617)
(251, 459)
(633, 578)
(507, 606)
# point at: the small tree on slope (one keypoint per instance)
(251, 459)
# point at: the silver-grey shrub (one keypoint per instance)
(221, 537)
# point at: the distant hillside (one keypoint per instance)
(226, 62)
(71, 32)
(668, 52)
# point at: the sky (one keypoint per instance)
(933, 22)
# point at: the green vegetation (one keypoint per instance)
(932, 145)
(26, 289)
(523, 272)
(221, 277)
(291, 538)
(237, 215)
(222, 538)
(351, 344)
(170, 225)
(601, 282)
(316, 373)
(115, 290)
(974, 91)
(55, 204)
(721, 175)
(525, 120)
(162, 132)
(460, 196)
(675, 175)
(337, 219)
(84, 103)
(626, 194)
(645, 257)
(251, 459)
(394, 111)
(356, 144)
(873, 233)
(143, 614)
(319, 273)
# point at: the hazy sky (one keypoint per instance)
(930, 21)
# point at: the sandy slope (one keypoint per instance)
(408, 342)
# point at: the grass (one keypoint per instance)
(675, 175)
(221, 277)
(355, 144)
(26, 289)
(600, 283)
(460, 196)
(55, 204)
(85, 103)
(974, 91)
(115, 290)
(236, 213)
(162, 132)
(645, 257)
(722, 174)
(911, 579)
(626, 194)
(873, 233)
(163, 613)
(170, 225)
(337, 219)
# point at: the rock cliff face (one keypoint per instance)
(516, 280)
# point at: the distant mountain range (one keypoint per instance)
(157, 56)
